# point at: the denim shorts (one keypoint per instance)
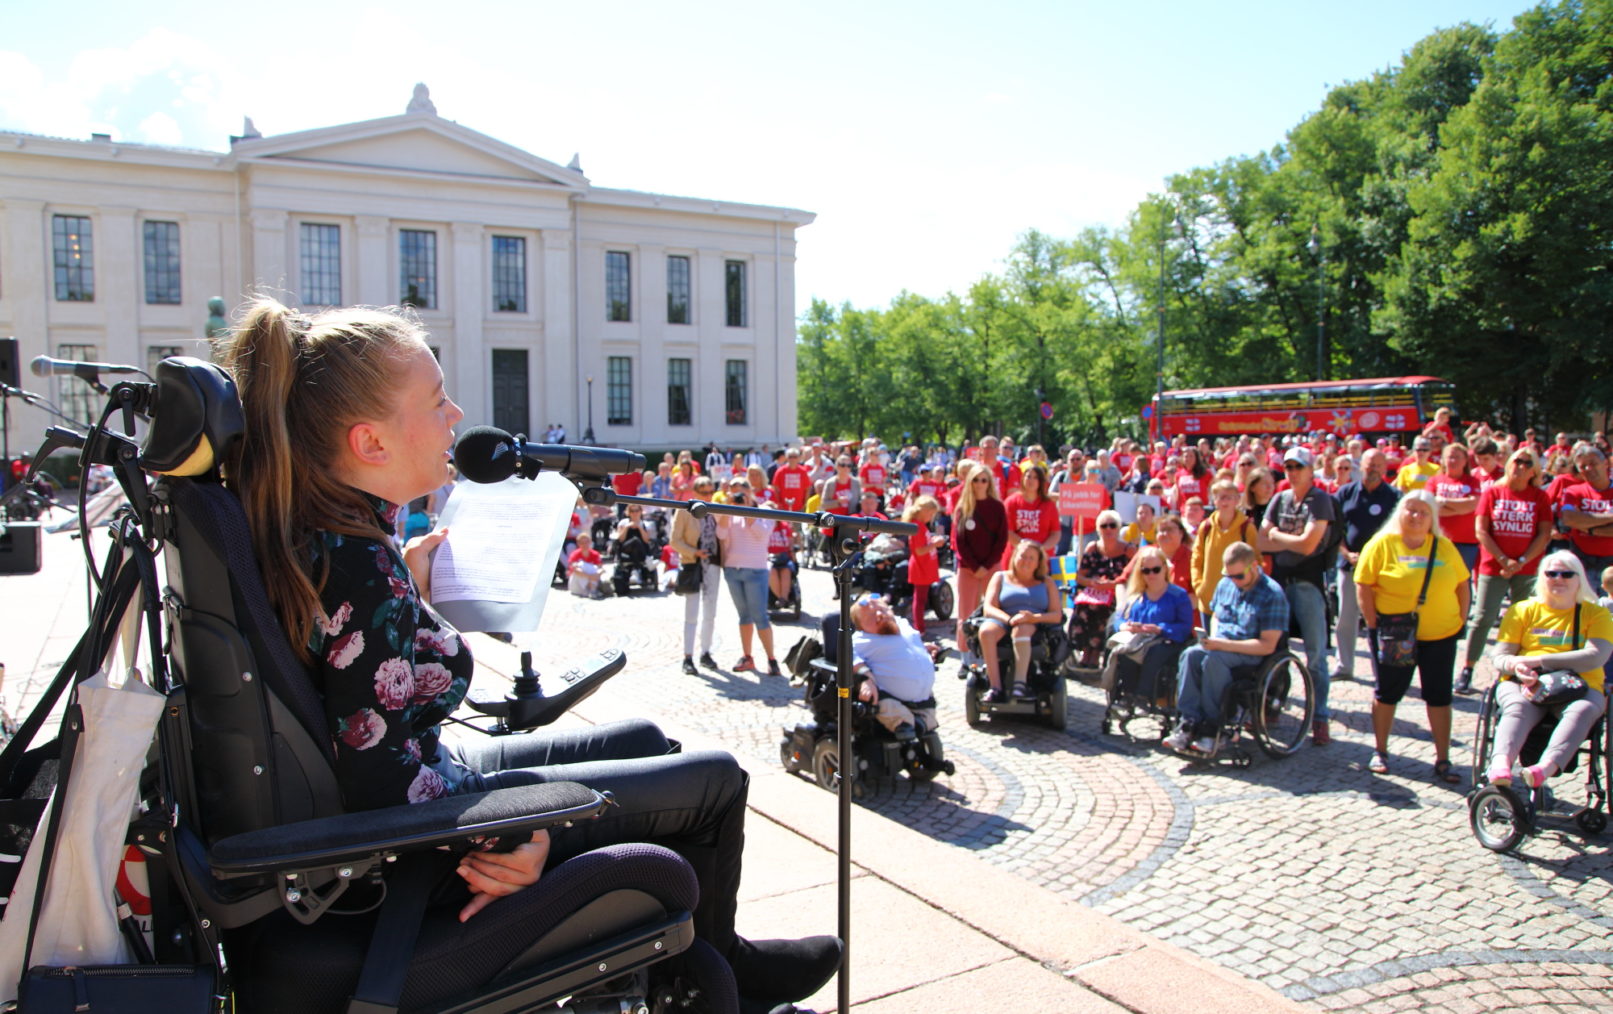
(749, 590)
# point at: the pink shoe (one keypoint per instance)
(1499, 776)
(1535, 775)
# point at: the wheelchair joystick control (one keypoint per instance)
(528, 683)
(526, 706)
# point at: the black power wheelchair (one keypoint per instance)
(259, 876)
(1501, 816)
(1272, 700)
(815, 746)
(1049, 694)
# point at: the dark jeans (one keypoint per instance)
(691, 803)
(1434, 665)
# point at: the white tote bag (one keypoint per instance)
(78, 923)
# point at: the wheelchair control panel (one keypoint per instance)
(527, 706)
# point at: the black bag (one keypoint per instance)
(1395, 636)
(120, 989)
(1557, 687)
(689, 578)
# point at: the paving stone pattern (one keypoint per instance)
(1341, 889)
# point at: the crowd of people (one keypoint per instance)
(1344, 532)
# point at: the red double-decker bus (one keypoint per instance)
(1372, 407)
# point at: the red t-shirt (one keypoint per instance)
(793, 484)
(1585, 497)
(927, 487)
(873, 476)
(779, 542)
(838, 490)
(1515, 519)
(1123, 462)
(1457, 527)
(1189, 485)
(1487, 479)
(923, 566)
(1558, 483)
(1008, 477)
(627, 483)
(582, 556)
(1034, 521)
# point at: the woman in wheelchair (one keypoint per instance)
(1561, 629)
(1016, 600)
(1160, 611)
(346, 417)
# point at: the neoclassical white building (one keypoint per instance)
(531, 279)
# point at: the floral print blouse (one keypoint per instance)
(390, 669)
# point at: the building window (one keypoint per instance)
(679, 391)
(417, 259)
(75, 258)
(735, 387)
(677, 289)
(618, 276)
(320, 249)
(162, 262)
(509, 275)
(734, 279)
(619, 391)
(157, 353)
(78, 400)
(511, 412)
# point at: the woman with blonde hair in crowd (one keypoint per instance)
(1409, 568)
(1016, 601)
(979, 533)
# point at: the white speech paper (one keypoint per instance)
(503, 542)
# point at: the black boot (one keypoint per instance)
(1464, 681)
(771, 972)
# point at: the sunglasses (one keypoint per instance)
(1151, 570)
(1561, 575)
(980, 478)
(1239, 576)
(869, 598)
(1108, 524)
(1291, 466)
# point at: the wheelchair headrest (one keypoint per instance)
(196, 419)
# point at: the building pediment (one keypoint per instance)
(414, 143)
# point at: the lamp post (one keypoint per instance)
(1316, 251)
(588, 434)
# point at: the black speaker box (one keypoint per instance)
(19, 547)
(10, 366)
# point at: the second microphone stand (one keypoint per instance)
(847, 529)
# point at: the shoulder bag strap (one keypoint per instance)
(1428, 575)
(1577, 607)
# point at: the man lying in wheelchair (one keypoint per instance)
(301, 747)
(1242, 675)
(896, 728)
(1550, 656)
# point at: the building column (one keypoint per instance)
(268, 267)
(370, 261)
(557, 399)
(469, 358)
(119, 262)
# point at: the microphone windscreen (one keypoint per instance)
(40, 366)
(485, 454)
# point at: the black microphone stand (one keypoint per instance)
(846, 527)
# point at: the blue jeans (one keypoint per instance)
(1310, 611)
(748, 587)
(1202, 678)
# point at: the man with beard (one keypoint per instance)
(896, 669)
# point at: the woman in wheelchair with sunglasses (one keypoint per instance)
(1560, 629)
(346, 418)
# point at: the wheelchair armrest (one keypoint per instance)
(355, 837)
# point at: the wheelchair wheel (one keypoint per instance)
(971, 704)
(1284, 707)
(1591, 821)
(941, 600)
(1498, 818)
(826, 764)
(1058, 705)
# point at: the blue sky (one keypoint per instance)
(925, 136)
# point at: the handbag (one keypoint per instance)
(1396, 633)
(690, 577)
(1557, 687)
(119, 989)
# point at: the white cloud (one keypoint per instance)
(159, 128)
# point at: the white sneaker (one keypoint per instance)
(1205, 745)
(1179, 739)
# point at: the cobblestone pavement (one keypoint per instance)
(1339, 888)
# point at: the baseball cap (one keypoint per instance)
(1298, 454)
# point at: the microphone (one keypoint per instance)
(45, 366)
(489, 454)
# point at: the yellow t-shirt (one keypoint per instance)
(1539, 629)
(1137, 535)
(812, 504)
(1414, 476)
(1396, 574)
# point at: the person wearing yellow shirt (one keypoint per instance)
(1218, 531)
(1562, 628)
(1144, 531)
(1414, 474)
(1389, 579)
